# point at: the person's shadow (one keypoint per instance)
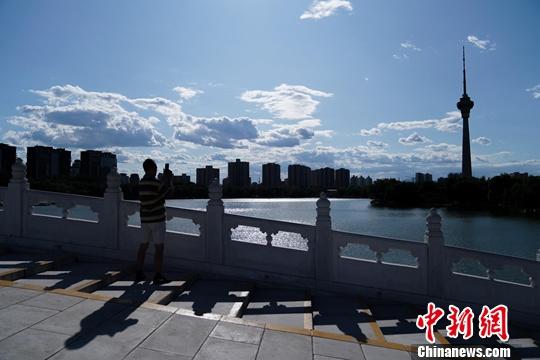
(99, 322)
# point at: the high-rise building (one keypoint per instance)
(108, 161)
(271, 175)
(238, 174)
(421, 178)
(206, 174)
(44, 162)
(465, 105)
(343, 178)
(90, 163)
(124, 179)
(316, 178)
(8, 155)
(299, 176)
(323, 178)
(183, 179)
(96, 163)
(134, 179)
(329, 178)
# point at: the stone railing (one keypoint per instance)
(381, 263)
(307, 255)
(266, 245)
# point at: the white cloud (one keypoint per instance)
(370, 132)
(294, 102)
(442, 147)
(481, 44)
(410, 45)
(439, 159)
(323, 8)
(413, 139)
(535, 90)
(77, 118)
(449, 123)
(186, 93)
(222, 132)
(72, 116)
(400, 56)
(408, 125)
(495, 159)
(376, 144)
(482, 140)
(285, 136)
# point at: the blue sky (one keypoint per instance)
(367, 85)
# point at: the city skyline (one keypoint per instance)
(345, 91)
(44, 162)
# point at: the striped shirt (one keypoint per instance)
(152, 196)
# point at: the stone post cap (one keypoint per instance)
(323, 201)
(323, 209)
(433, 228)
(433, 216)
(214, 190)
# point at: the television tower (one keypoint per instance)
(465, 105)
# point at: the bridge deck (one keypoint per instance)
(55, 307)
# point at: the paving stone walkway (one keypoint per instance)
(56, 306)
(42, 325)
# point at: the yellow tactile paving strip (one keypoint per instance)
(374, 326)
(308, 313)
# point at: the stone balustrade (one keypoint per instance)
(261, 249)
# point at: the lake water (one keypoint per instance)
(514, 236)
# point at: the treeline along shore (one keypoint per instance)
(505, 193)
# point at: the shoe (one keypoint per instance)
(160, 279)
(139, 276)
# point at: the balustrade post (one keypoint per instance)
(324, 252)
(109, 218)
(436, 261)
(214, 223)
(15, 204)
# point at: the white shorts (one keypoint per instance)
(153, 232)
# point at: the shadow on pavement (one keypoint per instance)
(92, 325)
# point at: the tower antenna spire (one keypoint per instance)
(465, 105)
(464, 75)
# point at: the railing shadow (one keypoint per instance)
(213, 297)
(278, 306)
